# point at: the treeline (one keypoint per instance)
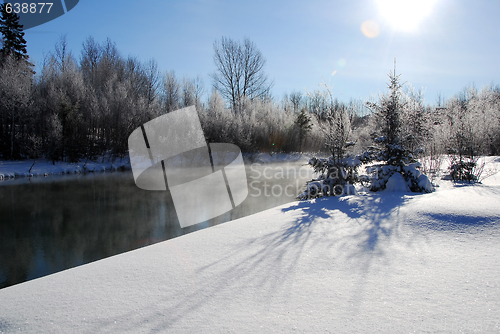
(83, 109)
(86, 108)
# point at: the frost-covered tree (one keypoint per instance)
(151, 78)
(239, 72)
(16, 79)
(338, 173)
(465, 142)
(192, 90)
(296, 100)
(64, 106)
(414, 120)
(333, 121)
(171, 92)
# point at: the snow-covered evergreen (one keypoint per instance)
(338, 173)
(336, 177)
(395, 162)
(400, 120)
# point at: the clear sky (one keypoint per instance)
(440, 45)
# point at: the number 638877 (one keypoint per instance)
(33, 8)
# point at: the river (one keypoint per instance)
(49, 224)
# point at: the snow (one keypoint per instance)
(425, 184)
(369, 263)
(42, 167)
(351, 161)
(412, 169)
(396, 183)
(349, 189)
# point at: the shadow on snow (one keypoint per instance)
(342, 227)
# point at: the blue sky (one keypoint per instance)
(452, 45)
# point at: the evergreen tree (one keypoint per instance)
(12, 35)
(398, 162)
(388, 113)
(338, 173)
(303, 122)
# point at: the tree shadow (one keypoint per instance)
(369, 211)
(447, 222)
(380, 214)
(4, 326)
(364, 247)
(310, 213)
(355, 226)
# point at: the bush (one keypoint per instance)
(465, 169)
(336, 177)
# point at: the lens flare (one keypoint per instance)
(370, 29)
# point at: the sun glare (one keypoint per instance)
(405, 15)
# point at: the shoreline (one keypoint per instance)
(45, 168)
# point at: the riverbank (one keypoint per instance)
(30, 168)
(370, 263)
(42, 167)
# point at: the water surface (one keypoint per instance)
(49, 224)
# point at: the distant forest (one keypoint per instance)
(86, 107)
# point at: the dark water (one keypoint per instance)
(59, 222)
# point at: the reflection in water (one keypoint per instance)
(52, 224)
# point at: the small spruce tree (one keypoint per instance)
(391, 146)
(304, 124)
(338, 173)
(388, 117)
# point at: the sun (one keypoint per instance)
(405, 15)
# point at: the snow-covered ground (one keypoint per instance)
(370, 263)
(42, 167)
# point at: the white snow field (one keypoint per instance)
(389, 262)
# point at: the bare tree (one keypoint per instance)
(240, 71)
(61, 55)
(335, 124)
(296, 100)
(171, 92)
(91, 55)
(192, 90)
(152, 80)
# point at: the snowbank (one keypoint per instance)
(14, 169)
(396, 183)
(374, 263)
